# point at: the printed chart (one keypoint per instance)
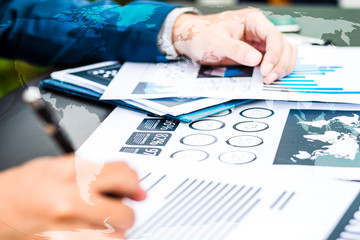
(308, 79)
(326, 74)
(314, 137)
(230, 142)
(258, 134)
(321, 74)
(233, 207)
(245, 143)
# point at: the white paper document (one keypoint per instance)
(182, 79)
(186, 201)
(230, 204)
(293, 136)
(321, 74)
(265, 170)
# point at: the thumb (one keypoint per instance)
(242, 53)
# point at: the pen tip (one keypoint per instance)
(31, 94)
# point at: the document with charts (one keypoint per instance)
(188, 201)
(297, 136)
(321, 74)
(182, 79)
(265, 170)
(225, 204)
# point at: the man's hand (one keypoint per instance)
(244, 37)
(43, 196)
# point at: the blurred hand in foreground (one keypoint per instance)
(41, 200)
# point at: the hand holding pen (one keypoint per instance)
(66, 197)
(44, 199)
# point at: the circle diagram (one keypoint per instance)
(207, 125)
(190, 154)
(244, 141)
(222, 114)
(251, 126)
(257, 113)
(198, 140)
(237, 157)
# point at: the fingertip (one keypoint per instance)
(253, 58)
(271, 78)
(266, 68)
(266, 81)
(139, 195)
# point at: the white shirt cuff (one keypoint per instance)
(165, 43)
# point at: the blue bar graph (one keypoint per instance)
(295, 84)
(295, 80)
(307, 72)
(292, 76)
(320, 89)
(301, 80)
(331, 92)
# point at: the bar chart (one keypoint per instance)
(325, 74)
(305, 79)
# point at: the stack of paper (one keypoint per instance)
(326, 74)
(264, 170)
(93, 80)
(187, 92)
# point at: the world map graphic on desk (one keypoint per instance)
(320, 138)
(338, 27)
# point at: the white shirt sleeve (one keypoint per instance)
(165, 43)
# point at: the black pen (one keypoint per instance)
(32, 96)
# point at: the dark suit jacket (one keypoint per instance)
(77, 32)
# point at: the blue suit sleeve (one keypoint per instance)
(77, 32)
